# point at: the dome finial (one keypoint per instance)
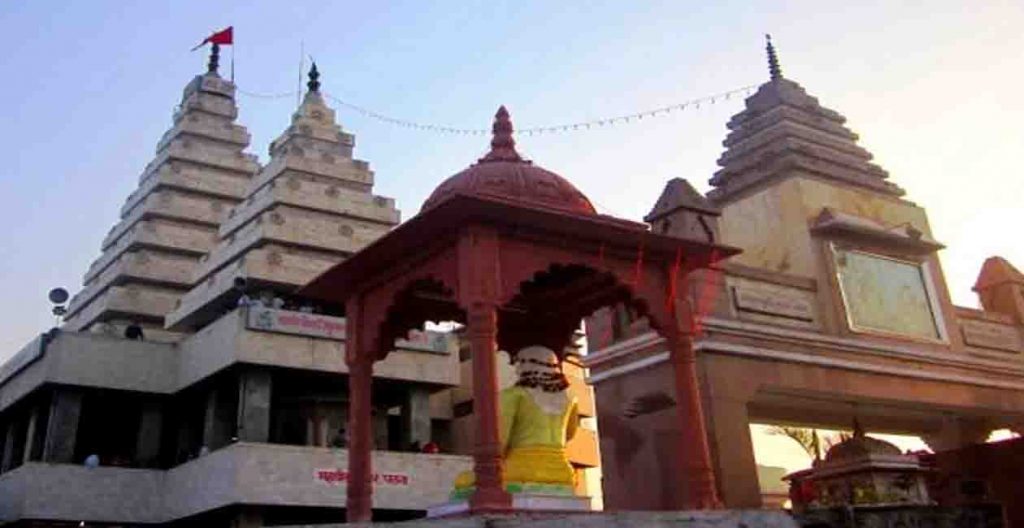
(503, 146)
(314, 79)
(773, 59)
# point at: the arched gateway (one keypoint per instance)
(519, 256)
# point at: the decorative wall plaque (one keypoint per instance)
(886, 295)
(778, 302)
(990, 335)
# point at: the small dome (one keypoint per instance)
(860, 446)
(505, 175)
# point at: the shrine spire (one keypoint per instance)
(773, 60)
(503, 146)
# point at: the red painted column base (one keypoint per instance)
(359, 505)
(488, 467)
(698, 485)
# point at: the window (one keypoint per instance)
(887, 295)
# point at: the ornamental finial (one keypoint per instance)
(503, 146)
(314, 79)
(214, 58)
(773, 59)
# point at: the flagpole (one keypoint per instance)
(302, 65)
(232, 63)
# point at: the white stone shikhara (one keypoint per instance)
(306, 210)
(199, 173)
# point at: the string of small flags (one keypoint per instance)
(694, 104)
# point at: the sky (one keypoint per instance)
(932, 89)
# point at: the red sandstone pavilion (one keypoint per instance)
(519, 256)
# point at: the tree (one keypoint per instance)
(809, 439)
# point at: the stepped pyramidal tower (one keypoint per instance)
(308, 208)
(785, 132)
(790, 162)
(200, 171)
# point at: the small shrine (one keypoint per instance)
(519, 256)
(860, 471)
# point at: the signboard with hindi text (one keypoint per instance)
(337, 477)
(296, 323)
(330, 327)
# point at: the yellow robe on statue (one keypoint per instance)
(533, 441)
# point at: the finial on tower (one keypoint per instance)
(314, 79)
(503, 146)
(773, 59)
(214, 58)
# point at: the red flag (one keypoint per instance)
(224, 36)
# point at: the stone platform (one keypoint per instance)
(709, 519)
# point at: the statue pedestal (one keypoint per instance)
(521, 502)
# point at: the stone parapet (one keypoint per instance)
(90, 360)
(86, 359)
(229, 340)
(241, 473)
(142, 265)
(317, 195)
(175, 205)
(205, 126)
(266, 265)
(345, 171)
(205, 154)
(157, 233)
(177, 175)
(142, 301)
(293, 227)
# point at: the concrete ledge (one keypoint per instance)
(41, 491)
(241, 473)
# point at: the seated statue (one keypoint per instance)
(538, 418)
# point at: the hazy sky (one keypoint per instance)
(932, 88)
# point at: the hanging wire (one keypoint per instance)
(257, 95)
(528, 131)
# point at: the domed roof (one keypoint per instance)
(860, 446)
(505, 175)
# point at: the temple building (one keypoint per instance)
(837, 309)
(201, 171)
(189, 385)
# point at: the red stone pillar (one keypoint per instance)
(482, 330)
(697, 478)
(359, 502)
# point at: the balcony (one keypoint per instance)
(41, 491)
(306, 476)
(156, 233)
(242, 473)
(284, 338)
